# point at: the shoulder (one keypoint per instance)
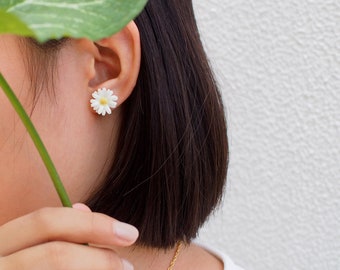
(197, 256)
(194, 257)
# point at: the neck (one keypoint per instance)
(148, 258)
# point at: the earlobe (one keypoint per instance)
(117, 62)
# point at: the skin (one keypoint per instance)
(20, 165)
(42, 235)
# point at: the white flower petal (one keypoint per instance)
(107, 94)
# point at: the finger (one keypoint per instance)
(64, 224)
(62, 256)
(81, 206)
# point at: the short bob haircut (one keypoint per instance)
(170, 165)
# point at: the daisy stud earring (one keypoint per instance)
(103, 101)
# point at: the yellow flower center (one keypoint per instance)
(103, 101)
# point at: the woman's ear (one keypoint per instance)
(117, 61)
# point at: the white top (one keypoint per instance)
(228, 263)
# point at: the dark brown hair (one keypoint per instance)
(40, 65)
(170, 164)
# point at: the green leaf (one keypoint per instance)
(9, 23)
(54, 19)
(6, 4)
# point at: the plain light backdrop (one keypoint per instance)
(278, 65)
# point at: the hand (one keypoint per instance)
(53, 238)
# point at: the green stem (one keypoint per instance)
(37, 141)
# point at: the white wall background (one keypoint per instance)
(278, 64)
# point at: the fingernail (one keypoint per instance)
(81, 207)
(125, 231)
(127, 265)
